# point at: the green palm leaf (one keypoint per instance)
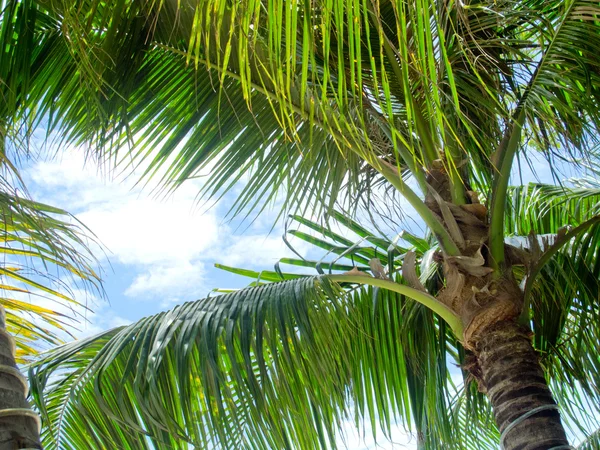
(43, 255)
(246, 359)
(242, 362)
(545, 209)
(238, 361)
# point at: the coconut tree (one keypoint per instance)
(44, 250)
(319, 102)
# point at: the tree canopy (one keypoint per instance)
(329, 105)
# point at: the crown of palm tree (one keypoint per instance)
(320, 102)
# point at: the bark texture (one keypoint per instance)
(19, 425)
(515, 385)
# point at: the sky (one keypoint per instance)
(157, 252)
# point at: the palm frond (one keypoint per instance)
(45, 257)
(557, 111)
(239, 362)
(456, 418)
(281, 365)
(560, 108)
(562, 289)
(155, 66)
(565, 322)
(545, 209)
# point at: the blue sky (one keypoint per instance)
(160, 251)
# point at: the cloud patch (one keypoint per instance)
(168, 244)
(170, 284)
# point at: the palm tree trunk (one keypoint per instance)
(19, 425)
(516, 386)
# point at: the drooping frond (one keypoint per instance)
(282, 365)
(564, 329)
(197, 129)
(457, 418)
(261, 368)
(307, 86)
(564, 315)
(243, 361)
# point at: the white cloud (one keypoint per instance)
(170, 284)
(167, 242)
(136, 226)
(143, 230)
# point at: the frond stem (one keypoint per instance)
(421, 297)
(505, 156)
(509, 148)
